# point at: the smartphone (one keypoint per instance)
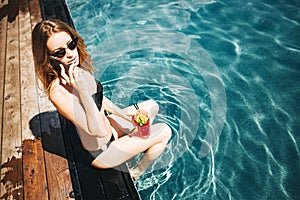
(55, 63)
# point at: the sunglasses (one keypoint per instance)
(62, 52)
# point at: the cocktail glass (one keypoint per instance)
(144, 130)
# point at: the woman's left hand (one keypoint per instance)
(82, 80)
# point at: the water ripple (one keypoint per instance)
(255, 47)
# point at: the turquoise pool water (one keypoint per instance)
(226, 75)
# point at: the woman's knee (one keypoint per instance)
(169, 132)
(166, 133)
(98, 164)
(152, 106)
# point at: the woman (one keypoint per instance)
(66, 72)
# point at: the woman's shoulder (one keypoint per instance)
(59, 90)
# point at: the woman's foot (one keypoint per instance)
(134, 173)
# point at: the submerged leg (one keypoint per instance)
(127, 147)
(150, 155)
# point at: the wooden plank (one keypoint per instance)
(11, 184)
(11, 171)
(29, 102)
(34, 173)
(58, 175)
(36, 16)
(67, 130)
(59, 182)
(3, 27)
(35, 12)
(35, 182)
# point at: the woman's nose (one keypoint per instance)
(69, 53)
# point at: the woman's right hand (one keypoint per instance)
(80, 79)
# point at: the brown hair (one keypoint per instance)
(40, 34)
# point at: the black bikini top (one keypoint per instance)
(98, 96)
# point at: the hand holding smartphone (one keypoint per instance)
(56, 65)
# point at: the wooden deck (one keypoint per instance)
(31, 168)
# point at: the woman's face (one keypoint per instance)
(60, 43)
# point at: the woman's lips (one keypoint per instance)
(74, 61)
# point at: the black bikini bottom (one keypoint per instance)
(96, 153)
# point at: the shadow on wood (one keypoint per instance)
(60, 137)
(10, 180)
(47, 126)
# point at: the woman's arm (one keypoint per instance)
(97, 122)
(114, 109)
(78, 105)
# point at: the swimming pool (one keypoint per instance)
(226, 75)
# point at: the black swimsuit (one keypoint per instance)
(96, 153)
(71, 137)
(98, 98)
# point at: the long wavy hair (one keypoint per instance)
(40, 35)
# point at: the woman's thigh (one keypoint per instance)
(131, 145)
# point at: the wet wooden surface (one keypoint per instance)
(31, 165)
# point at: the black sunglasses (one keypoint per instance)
(62, 52)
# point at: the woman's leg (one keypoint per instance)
(129, 146)
(123, 126)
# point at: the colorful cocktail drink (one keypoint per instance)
(142, 122)
(144, 131)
